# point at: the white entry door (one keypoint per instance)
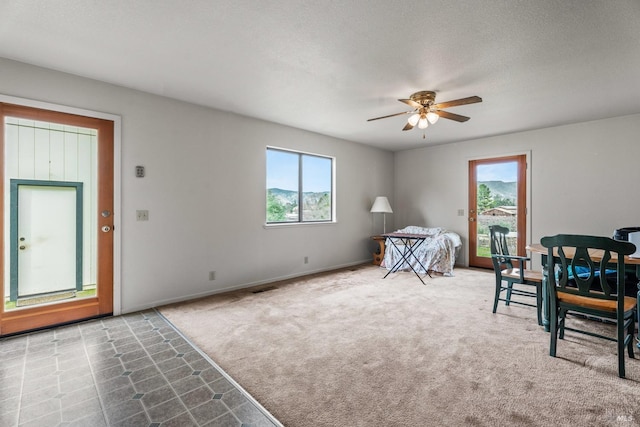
(48, 237)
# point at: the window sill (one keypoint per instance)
(297, 224)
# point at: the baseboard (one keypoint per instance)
(160, 303)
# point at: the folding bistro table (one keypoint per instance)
(410, 243)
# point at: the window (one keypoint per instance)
(298, 179)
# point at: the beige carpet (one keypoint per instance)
(351, 349)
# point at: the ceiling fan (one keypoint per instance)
(426, 111)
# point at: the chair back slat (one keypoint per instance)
(499, 247)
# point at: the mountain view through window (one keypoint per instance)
(296, 180)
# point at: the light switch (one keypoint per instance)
(142, 215)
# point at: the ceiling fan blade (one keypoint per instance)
(390, 115)
(456, 102)
(411, 103)
(408, 126)
(451, 116)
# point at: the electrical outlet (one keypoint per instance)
(142, 215)
(306, 260)
(460, 212)
(212, 275)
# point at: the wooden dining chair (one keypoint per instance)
(579, 283)
(511, 270)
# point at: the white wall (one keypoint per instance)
(205, 191)
(583, 179)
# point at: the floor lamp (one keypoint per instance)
(381, 205)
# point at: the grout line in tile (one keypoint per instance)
(24, 371)
(103, 409)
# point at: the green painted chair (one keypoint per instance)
(512, 275)
(579, 282)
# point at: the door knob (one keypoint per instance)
(472, 219)
(106, 229)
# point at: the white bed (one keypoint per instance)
(437, 254)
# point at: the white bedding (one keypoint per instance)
(437, 253)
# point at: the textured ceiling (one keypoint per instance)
(328, 66)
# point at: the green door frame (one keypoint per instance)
(14, 186)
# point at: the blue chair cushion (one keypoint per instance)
(631, 280)
(584, 272)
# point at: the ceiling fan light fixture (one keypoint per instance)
(423, 122)
(413, 120)
(432, 117)
(426, 111)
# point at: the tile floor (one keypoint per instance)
(132, 370)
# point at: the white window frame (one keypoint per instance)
(299, 222)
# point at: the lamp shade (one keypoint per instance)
(423, 123)
(381, 205)
(413, 120)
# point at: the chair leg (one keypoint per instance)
(631, 332)
(509, 289)
(498, 290)
(621, 333)
(553, 331)
(563, 316)
(539, 302)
